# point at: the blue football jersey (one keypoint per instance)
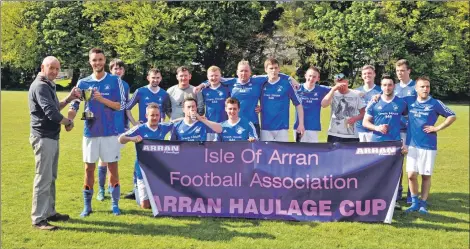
(146, 132)
(214, 100)
(122, 120)
(424, 114)
(311, 102)
(402, 92)
(240, 131)
(275, 104)
(368, 94)
(181, 131)
(248, 93)
(389, 113)
(106, 119)
(144, 96)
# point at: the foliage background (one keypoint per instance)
(335, 36)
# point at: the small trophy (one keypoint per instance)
(86, 96)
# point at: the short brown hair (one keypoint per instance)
(189, 98)
(182, 69)
(152, 105)
(314, 69)
(232, 101)
(243, 63)
(116, 63)
(154, 71)
(403, 62)
(96, 51)
(423, 78)
(270, 61)
(387, 77)
(368, 67)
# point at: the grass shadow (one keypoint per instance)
(207, 229)
(452, 202)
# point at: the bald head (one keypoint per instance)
(50, 67)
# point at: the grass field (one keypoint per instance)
(446, 227)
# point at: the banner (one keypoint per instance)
(270, 180)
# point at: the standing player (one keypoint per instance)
(405, 89)
(311, 95)
(101, 133)
(152, 129)
(275, 105)
(368, 90)
(214, 99)
(236, 128)
(422, 141)
(178, 93)
(150, 93)
(383, 117)
(347, 107)
(116, 67)
(193, 127)
(247, 89)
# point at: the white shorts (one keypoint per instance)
(108, 149)
(211, 136)
(365, 136)
(275, 136)
(420, 160)
(308, 137)
(143, 196)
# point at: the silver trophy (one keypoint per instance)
(87, 94)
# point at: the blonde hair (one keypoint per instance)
(213, 69)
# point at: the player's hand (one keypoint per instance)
(258, 109)
(375, 98)
(342, 84)
(301, 129)
(251, 139)
(75, 93)
(69, 127)
(197, 89)
(404, 149)
(296, 85)
(137, 139)
(383, 128)
(430, 129)
(351, 120)
(97, 95)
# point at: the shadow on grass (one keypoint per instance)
(208, 229)
(451, 202)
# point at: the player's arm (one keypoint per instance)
(252, 136)
(326, 101)
(358, 117)
(74, 94)
(132, 102)
(216, 127)
(300, 109)
(442, 110)
(130, 136)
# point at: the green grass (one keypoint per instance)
(446, 227)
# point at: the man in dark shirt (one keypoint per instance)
(44, 107)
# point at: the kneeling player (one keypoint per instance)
(193, 127)
(236, 128)
(153, 129)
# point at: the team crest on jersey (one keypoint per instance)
(221, 93)
(240, 130)
(197, 130)
(107, 87)
(395, 107)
